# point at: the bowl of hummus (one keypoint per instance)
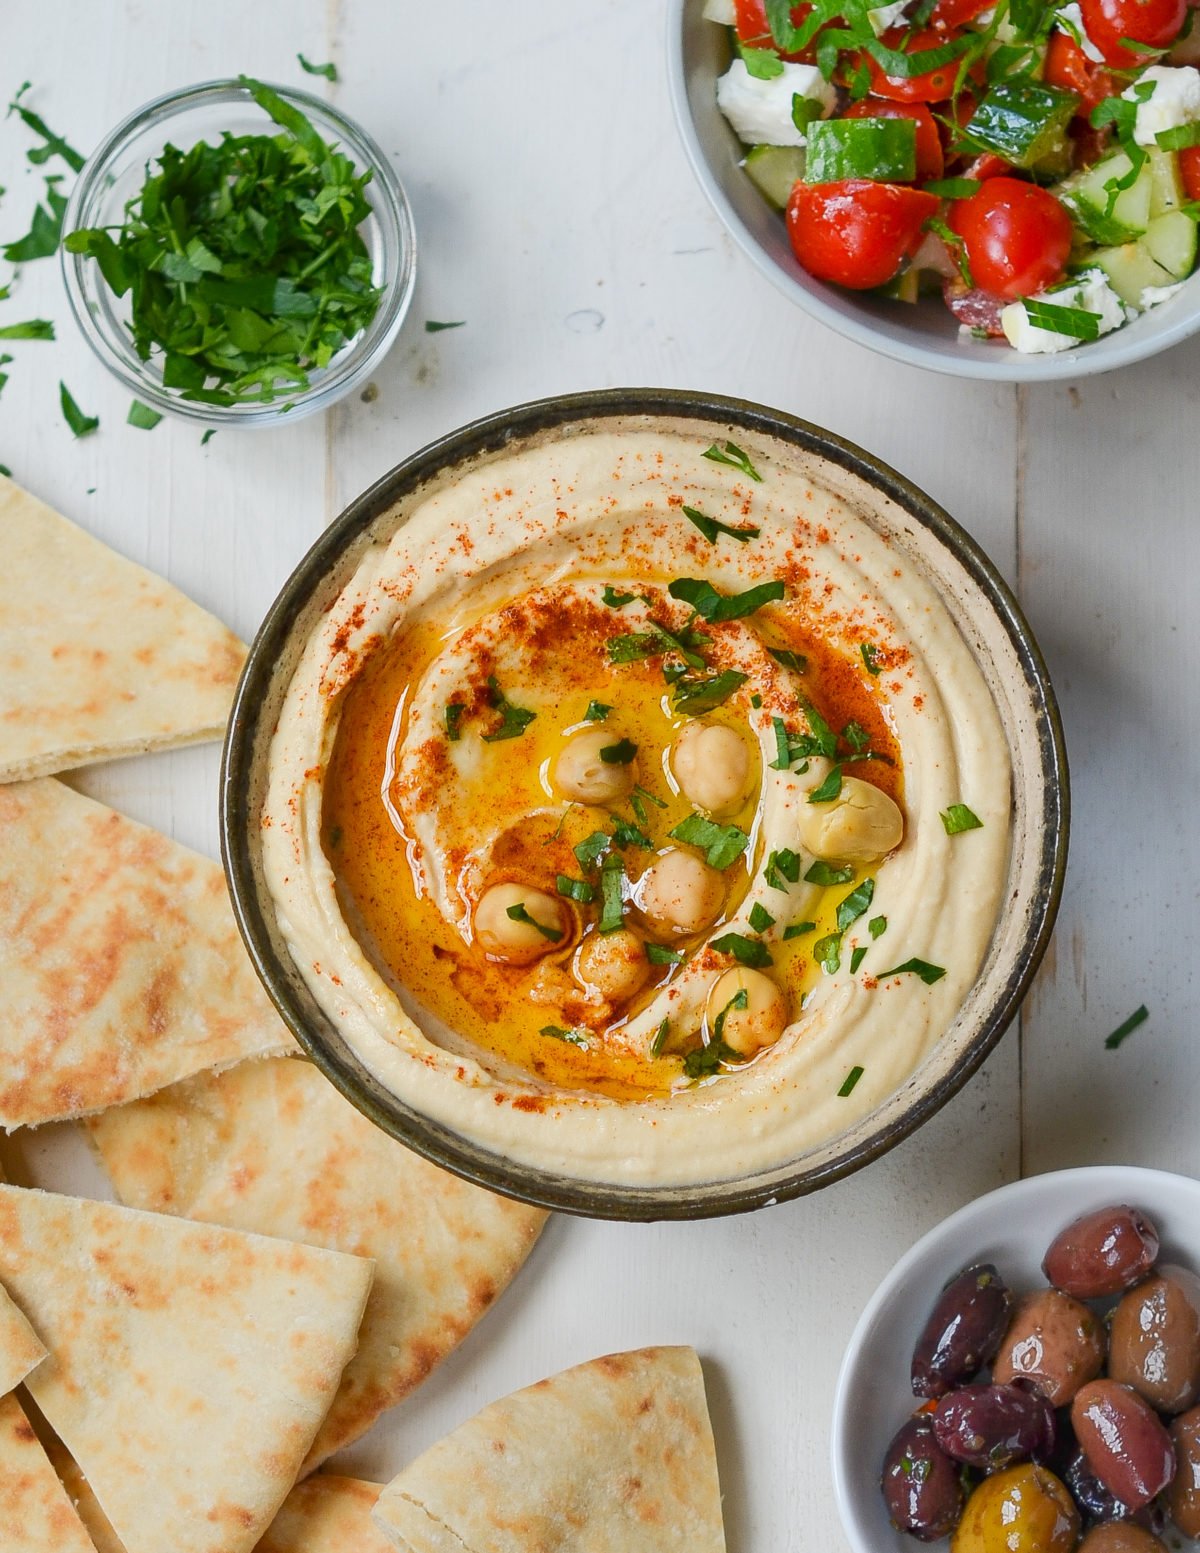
(646, 804)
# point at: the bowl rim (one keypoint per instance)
(437, 1143)
(844, 1446)
(335, 381)
(1120, 348)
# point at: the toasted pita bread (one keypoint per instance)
(36, 1515)
(327, 1514)
(190, 1366)
(21, 1349)
(614, 1456)
(98, 657)
(272, 1147)
(120, 961)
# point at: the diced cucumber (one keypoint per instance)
(774, 171)
(1171, 241)
(1166, 191)
(905, 287)
(1023, 122)
(1086, 196)
(1130, 270)
(885, 149)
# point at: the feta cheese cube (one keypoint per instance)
(1152, 295)
(722, 11)
(885, 16)
(1070, 19)
(761, 111)
(1174, 101)
(1090, 292)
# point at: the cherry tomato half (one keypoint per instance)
(1068, 67)
(1156, 23)
(932, 86)
(1189, 170)
(1017, 236)
(987, 165)
(930, 161)
(856, 232)
(754, 30)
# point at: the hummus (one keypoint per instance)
(606, 812)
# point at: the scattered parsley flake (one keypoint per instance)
(746, 951)
(81, 425)
(591, 849)
(782, 869)
(760, 918)
(616, 600)
(722, 844)
(734, 456)
(854, 905)
(55, 144)
(694, 697)
(660, 954)
(45, 233)
(619, 754)
(208, 436)
(454, 715)
(827, 952)
(627, 835)
(958, 818)
(513, 719)
(790, 660)
(142, 416)
(578, 890)
(799, 929)
(435, 326)
(712, 527)
(519, 913)
(829, 789)
(870, 657)
(828, 873)
(1138, 1017)
(857, 957)
(877, 927)
(714, 607)
(660, 1038)
(572, 1037)
(31, 329)
(849, 1081)
(612, 911)
(329, 71)
(922, 968)
(597, 711)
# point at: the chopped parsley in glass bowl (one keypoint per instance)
(238, 253)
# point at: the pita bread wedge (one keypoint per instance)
(272, 1146)
(98, 657)
(327, 1514)
(120, 960)
(613, 1456)
(21, 1349)
(36, 1516)
(189, 1367)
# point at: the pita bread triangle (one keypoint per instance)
(36, 1516)
(613, 1456)
(21, 1349)
(120, 960)
(271, 1146)
(189, 1366)
(98, 657)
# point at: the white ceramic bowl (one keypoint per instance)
(922, 334)
(1011, 1227)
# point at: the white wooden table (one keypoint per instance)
(557, 216)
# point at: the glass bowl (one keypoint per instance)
(114, 174)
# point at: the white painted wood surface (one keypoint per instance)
(557, 216)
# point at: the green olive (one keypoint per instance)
(1023, 1510)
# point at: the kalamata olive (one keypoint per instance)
(1054, 1343)
(1102, 1253)
(1154, 1343)
(1121, 1537)
(991, 1426)
(1023, 1510)
(1183, 1496)
(921, 1485)
(963, 1332)
(1090, 1494)
(1125, 1444)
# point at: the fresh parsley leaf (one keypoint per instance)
(45, 233)
(782, 869)
(740, 999)
(857, 956)
(660, 1038)
(454, 716)
(31, 329)
(826, 873)
(746, 951)
(328, 71)
(856, 736)
(850, 1081)
(142, 416)
(827, 952)
(592, 848)
(829, 789)
(612, 909)
(870, 657)
(855, 904)
(705, 1060)
(435, 326)
(734, 456)
(783, 746)
(619, 754)
(5, 471)
(790, 660)
(654, 641)
(1076, 322)
(81, 425)
(616, 600)
(877, 927)
(722, 844)
(762, 64)
(208, 436)
(597, 711)
(713, 606)
(693, 697)
(572, 1037)
(760, 918)
(712, 527)
(627, 835)
(799, 929)
(513, 719)
(55, 144)
(659, 954)
(958, 818)
(1138, 1017)
(519, 913)
(575, 889)
(659, 803)
(922, 968)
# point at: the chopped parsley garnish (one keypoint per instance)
(518, 913)
(142, 416)
(592, 848)
(329, 71)
(953, 188)
(513, 719)
(612, 910)
(799, 929)
(856, 736)
(31, 329)
(746, 951)
(740, 999)
(829, 789)
(722, 844)
(627, 835)
(828, 873)
(955, 246)
(637, 802)
(693, 697)
(827, 952)
(712, 527)
(760, 918)
(619, 754)
(435, 325)
(597, 711)
(705, 1061)
(756, 700)
(1076, 322)
(922, 968)
(853, 906)
(454, 716)
(714, 607)
(857, 957)
(870, 657)
(616, 600)
(783, 868)
(575, 889)
(790, 660)
(1180, 138)
(81, 425)
(572, 1037)
(958, 818)
(659, 954)
(208, 436)
(731, 454)
(762, 64)
(659, 803)
(244, 261)
(45, 233)
(55, 145)
(849, 1081)
(877, 927)
(660, 1038)
(1138, 1017)
(657, 639)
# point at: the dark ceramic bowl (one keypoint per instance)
(985, 613)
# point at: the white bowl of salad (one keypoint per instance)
(1002, 189)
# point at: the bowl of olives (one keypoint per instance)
(1027, 1378)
